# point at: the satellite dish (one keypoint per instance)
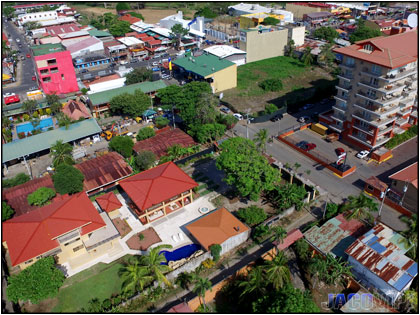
(412, 20)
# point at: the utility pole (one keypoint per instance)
(27, 167)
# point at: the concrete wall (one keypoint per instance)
(411, 196)
(234, 241)
(189, 266)
(259, 46)
(299, 10)
(238, 59)
(224, 79)
(298, 35)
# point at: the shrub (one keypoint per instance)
(40, 112)
(19, 179)
(215, 250)
(270, 108)
(161, 122)
(261, 231)
(35, 115)
(331, 211)
(145, 133)
(252, 215)
(208, 263)
(25, 117)
(271, 85)
(67, 179)
(400, 138)
(84, 91)
(41, 196)
(48, 111)
(141, 236)
(6, 211)
(122, 144)
(144, 160)
(21, 135)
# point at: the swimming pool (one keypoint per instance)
(43, 125)
(182, 252)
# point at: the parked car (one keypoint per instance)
(238, 116)
(134, 60)
(362, 154)
(225, 110)
(301, 144)
(276, 117)
(33, 78)
(96, 138)
(84, 71)
(309, 147)
(123, 62)
(28, 56)
(303, 119)
(10, 98)
(155, 64)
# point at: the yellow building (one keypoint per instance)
(219, 73)
(255, 19)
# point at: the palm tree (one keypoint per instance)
(277, 271)
(200, 288)
(307, 57)
(178, 32)
(175, 151)
(318, 267)
(360, 207)
(261, 139)
(326, 55)
(61, 153)
(64, 120)
(411, 235)
(254, 282)
(134, 276)
(152, 263)
(279, 234)
(184, 279)
(290, 48)
(29, 106)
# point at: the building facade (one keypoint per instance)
(37, 17)
(377, 90)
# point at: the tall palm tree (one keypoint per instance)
(64, 120)
(326, 55)
(184, 279)
(279, 234)
(277, 271)
(307, 57)
(360, 207)
(254, 282)
(177, 31)
(290, 48)
(261, 139)
(201, 287)
(318, 267)
(134, 276)
(175, 151)
(411, 235)
(61, 153)
(152, 263)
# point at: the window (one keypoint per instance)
(349, 73)
(368, 47)
(54, 70)
(371, 93)
(62, 77)
(376, 69)
(350, 61)
(374, 81)
(52, 62)
(46, 79)
(78, 248)
(44, 71)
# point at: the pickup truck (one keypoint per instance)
(332, 137)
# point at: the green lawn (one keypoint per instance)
(78, 290)
(250, 74)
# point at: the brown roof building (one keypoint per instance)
(219, 227)
(75, 110)
(163, 140)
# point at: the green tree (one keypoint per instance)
(246, 168)
(55, 108)
(270, 108)
(260, 139)
(207, 132)
(129, 104)
(326, 56)
(271, 85)
(152, 261)
(67, 179)
(331, 211)
(270, 21)
(279, 234)
(200, 288)
(360, 207)
(137, 15)
(145, 133)
(119, 28)
(252, 215)
(134, 276)
(19, 179)
(326, 32)
(144, 160)
(122, 6)
(161, 122)
(84, 91)
(31, 25)
(35, 283)
(302, 250)
(215, 250)
(175, 152)
(228, 120)
(52, 98)
(206, 12)
(8, 11)
(206, 108)
(254, 283)
(177, 31)
(138, 75)
(61, 153)
(6, 211)
(328, 269)
(285, 196)
(363, 32)
(290, 48)
(64, 120)
(30, 106)
(277, 271)
(122, 144)
(185, 279)
(170, 95)
(411, 235)
(307, 57)
(41, 196)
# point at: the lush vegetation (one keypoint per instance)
(41, 196)
(364, 32)
(61, 153)
(35, 283)
(176, 152)
(122, 144)
(411, 235)
(326, 32)
(206, 12)
(245, 168)
(138, 75)
(328, 269)
(145, 133)
(144, 160)
(215, 250)
(360, 207)
(19, 179)
(161, 122)
(207, 132)
(68, 179)
(411, 132)
(132, 105)
(285, 196)
(252, 215)
(6, 211)
(271, 85)
(137, 15)
(271, 21)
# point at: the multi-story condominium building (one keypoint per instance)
(377, 90)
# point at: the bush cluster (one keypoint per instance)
(272, 85)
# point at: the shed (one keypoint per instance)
(321, 129)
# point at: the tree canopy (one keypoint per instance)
(363, 32)
(271, 21)
(120, 28)
(326, 32)
(35, 283)
(130, 104)
(206, 12)
(138, 75)
(19, 179)
(207, 132)
(252, 215)
(144, 160)
(61, 153)
(178, 31)
(67, 179)
(6, 211)
(41, 196)
(145, 133)
(246, 168)
(122, 6)
(8, 11)
(122, 144)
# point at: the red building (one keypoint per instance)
(56, 73)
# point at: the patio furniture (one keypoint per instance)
(174, 238)
(181, 237)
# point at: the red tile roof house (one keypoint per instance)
(158, 191)
(56, 73)
(110, 204)
(164, 139)
(407, 179)
(70, 229)
(129, 18)
(75, 110)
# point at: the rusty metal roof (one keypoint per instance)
(381, 250)
(334, 236)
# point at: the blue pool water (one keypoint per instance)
(182, 252)
(43, 125)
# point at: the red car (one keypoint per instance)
(28, 56)
(11, 98)
(33, 78)
(309, 147)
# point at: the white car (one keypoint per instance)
(96, 138)
(238, 116)
(362, 154)
(155, 64)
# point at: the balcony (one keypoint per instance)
(68, 236)
(381, 141)
(338, 117)
(384, 100)
(384, 130)
(340, 108)
(336, 127)
(386, 89)
(362, 140)
(401, 121)
(341, 98)
(414, 114)
(347, 65)
(344, 76)
(344, 88)
(400, 75)
(409, 93)
(374, 122)
(404, 110)
(364, 129)
(366, 71)
(407, 102)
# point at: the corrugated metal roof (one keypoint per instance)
(45, 140)
(203, 65)
(105, 96)
(377, 252)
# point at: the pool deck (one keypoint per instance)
(14, 131)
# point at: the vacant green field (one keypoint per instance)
(78, 290)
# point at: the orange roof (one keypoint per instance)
(291, 237)
(130, 19)
(34, 233)
(408, 174)
(216, 227)
(391, 52)
(102, 79)
(75, 110)
(156, 185)
(109, 202)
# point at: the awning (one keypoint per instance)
(149, 112)
(6, 77)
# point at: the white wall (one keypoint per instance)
(38, 16)
(238, 59)
(98, 47)
(234, 241)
